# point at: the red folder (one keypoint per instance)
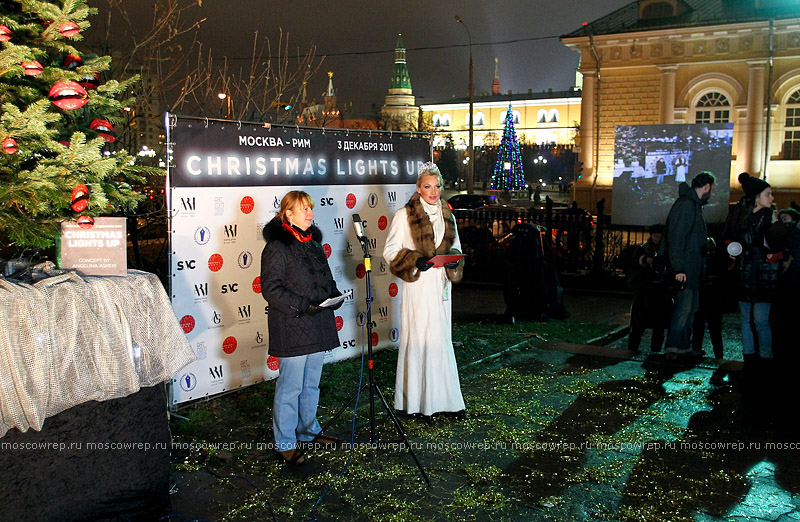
(440, 260)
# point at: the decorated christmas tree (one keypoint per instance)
(57, 126)
(508, 174)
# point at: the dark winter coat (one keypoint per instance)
(685, 237)
(293, 276)
(652, 306)
(756, 278)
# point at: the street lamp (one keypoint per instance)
(539, 162)
(471, 169)
(223, 96)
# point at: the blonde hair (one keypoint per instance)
(291, 199)
(429, 169)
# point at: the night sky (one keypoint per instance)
(358, 38)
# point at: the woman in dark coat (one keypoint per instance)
(295, 279)
(757, 268)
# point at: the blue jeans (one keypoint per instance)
(294, 411)
(680, 326)
(759, 318)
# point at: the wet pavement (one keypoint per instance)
(573, 432)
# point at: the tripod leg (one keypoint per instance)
(344, 407)
(401, 432)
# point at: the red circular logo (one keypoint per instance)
(257, 285)
(272, 363)
(393, 289)
(351, 200)
(374, 338)
(382, 222)
(187, 323)
(339, 323)
(215, 262)
(327, 248)
(229, 345)
(247, 204)
(361, 271)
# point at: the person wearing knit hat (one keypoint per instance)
(752, 186)
(757, 269)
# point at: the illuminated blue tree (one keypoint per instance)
(508, 173)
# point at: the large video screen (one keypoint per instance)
(651, 161)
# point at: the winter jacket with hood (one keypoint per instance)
(685, 236)
(294, 275)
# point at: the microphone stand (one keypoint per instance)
(373, 387)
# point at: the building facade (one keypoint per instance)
(694, 61)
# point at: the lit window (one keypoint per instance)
(479, 118)
(553, 116)
(437, 120)
(709, 108)
(791, 142)
(542, 116)
(445, 120)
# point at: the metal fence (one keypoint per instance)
(581, 243)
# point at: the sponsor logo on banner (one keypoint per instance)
(257, 285)
(244, 314)
(245, 369)
(229, 345)
(391, 198)
(360, 318)
(215, 262)
(202, 235)
(229, 288)
(350, 201)
(383, 222)
(260, 231)
(187, 264)
(349, 343)
(339, 323)
(348, 251)
(245, 260)
(272, 363)
(230, 233)
(338, 226)
(188, 382)
(216, 320)
(393, 289)
(201, 350)
(326, 202)
(187, 323)
(219, 206)
(394, 335)
(201, 292)
(327, 249)
(372, 200)
(187, 207)
(372, 243)
(247, 204)
(361, 271)
(259, 340)
(276, 203)
(383, 312)
(350, 299)
(375, 338)
(216, 374)
(380, 268)
(337, 273)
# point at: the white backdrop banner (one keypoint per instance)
(225, 182)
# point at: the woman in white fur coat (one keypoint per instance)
(427, 375)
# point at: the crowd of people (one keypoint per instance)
(683, 280)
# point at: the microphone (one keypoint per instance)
(358, 225)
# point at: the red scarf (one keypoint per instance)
(303, 237)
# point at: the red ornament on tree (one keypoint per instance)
(10, 146)
(104, 129)
(32, 68)
(80, 198)
(69, 29)
(71, 61)
(90, 83)
(5, 33)
(68, 95)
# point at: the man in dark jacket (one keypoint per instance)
(684, 245)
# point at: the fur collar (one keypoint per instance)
(274, 231)
(422, 229)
